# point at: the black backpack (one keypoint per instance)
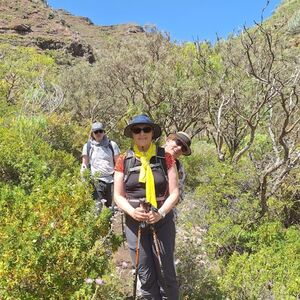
(129, 161)
(89, 151)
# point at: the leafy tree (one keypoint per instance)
(256, 91)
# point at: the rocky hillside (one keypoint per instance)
(34, 23)
(287, 17)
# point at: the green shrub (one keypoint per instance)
(23, 72)
(271, 270)
(196, 274)
(225, 250)
(51, 240)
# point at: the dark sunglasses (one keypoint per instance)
(137, 130)
(180, 143)
(98, 131)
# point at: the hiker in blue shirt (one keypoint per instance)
(99, 155)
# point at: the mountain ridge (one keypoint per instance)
(34, 23)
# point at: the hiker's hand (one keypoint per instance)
(83, 174)
(83, 168)
(153, 217)
(140, 215)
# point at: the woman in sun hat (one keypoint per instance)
(181, 144)
(178, 144)
(147, 172)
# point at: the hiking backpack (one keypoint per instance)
(129, 161)
(89, 151)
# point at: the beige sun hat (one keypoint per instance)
(185, 139)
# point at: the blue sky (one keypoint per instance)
(187, 20)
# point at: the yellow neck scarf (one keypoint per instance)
(146, 174)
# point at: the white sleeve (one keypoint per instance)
(84, 150)
(115, 147)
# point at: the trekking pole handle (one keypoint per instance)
(147, 205)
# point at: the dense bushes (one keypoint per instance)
(25, 76)
(224, 248)
(273, 264)
(50, 239)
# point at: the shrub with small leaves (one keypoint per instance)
(51, 240)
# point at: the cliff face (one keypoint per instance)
(34, 23)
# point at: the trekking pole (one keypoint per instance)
(157, 250)
(137, 258)
(147, 206)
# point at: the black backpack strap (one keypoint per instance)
(89, 151)
(129, 161)
(161, 159)
(112, 151)
(177, 164)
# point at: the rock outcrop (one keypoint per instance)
(34, 23)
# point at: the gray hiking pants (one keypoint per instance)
(153, 285)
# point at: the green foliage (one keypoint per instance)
(261, 146)
(63, 134)
(106, 288)
(227, 190)
(287, 202)
(273, 265)
(187, 57)
(51, 240)
(224, 249)
(213, 61)
(294, 23)
(195, 270)
(26, 80)
(203, 156)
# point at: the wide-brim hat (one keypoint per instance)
(185, 139)
(142, 119)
